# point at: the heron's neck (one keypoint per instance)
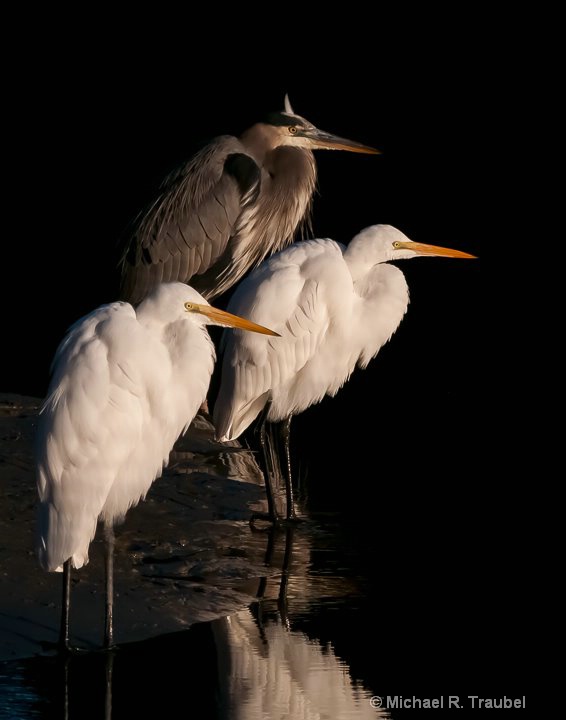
(259, 141)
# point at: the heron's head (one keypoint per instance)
(286, 128)
(381, 243)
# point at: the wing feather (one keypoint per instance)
(90, 425)
(285, 297)
(187, 229)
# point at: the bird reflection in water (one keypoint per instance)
(268, 670)
(249, 665)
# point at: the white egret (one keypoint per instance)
(126, 383)
(334, 307)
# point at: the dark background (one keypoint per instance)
(398, 451)
(103, 123)
(100, 126)
(96, 130)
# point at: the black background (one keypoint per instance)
(98, 123)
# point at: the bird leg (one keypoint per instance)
(108, 630)
(285, 433)
(268, 467)
(65, 605)
(272, 468)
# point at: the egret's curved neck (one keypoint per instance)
(360, 256)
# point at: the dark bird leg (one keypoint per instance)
(65, 605)
(285, 433)
(266, 449)
(273, 467)
(108, 630)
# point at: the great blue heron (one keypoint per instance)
(234, 203)
(334, 307)
(126, 383)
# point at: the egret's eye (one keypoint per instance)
(292, 130)
(189, 306)
(396, 244)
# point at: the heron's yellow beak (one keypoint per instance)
(423, 249)
(327, 141)
(226, 319)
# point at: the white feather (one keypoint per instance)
(333, 307)
(126, 383)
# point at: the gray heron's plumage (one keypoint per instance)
(234, 203)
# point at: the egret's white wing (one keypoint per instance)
(290, 293)
(103, 391)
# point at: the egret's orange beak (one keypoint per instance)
(226, 319)
(423, 249)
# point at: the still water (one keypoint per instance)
(390, 588)
(273, 659)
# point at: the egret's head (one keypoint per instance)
(213, 316)
(385, 243)
(169, 302)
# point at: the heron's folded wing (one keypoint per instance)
(187, 229)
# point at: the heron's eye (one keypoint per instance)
(189, 306)
(292, 130)
(396, 244)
